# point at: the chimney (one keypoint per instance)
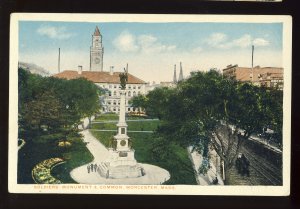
(79, 69)
(111, 70)
(174, 76)
(58, 60)
(180, 77)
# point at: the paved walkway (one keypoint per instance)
(154, 174)
(115, 121)
(208, 178)
(114, 130)
(85, 123)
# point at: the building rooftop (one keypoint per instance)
(247, 68)
(98, 77)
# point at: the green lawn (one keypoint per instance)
(75, 156)
(179, 165)
(132, 125)
(113, 116)
(33, 153)
(108, 116)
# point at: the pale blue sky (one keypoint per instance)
(151, 49)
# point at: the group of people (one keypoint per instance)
(92, 168)
(242, 164)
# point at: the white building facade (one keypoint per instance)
(109, 81)
(110, 102)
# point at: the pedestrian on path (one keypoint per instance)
(245, 166)
(88, 169)
(95, 167)
(92, 167)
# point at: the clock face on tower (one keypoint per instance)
(97, 60)
(123, 143)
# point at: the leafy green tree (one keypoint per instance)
(207, 109)
(49, 105)
(154, 102)
(138, 101)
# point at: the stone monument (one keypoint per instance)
(121, 162)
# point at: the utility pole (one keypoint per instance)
(252, 62)
(58, 60)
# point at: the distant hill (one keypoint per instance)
(33, 68)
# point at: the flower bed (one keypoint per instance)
(41, 173)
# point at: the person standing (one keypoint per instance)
(95, 167)
(92, 167)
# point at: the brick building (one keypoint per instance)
(271, 77)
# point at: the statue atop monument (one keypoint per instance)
(123, 79)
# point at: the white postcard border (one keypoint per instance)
(14, 187)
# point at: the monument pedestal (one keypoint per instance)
(121, 162)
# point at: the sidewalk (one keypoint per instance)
(85, 123)
(208, 178)
(116, 121)
(265, 142)
(154, 174)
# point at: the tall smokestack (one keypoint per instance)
(174, 76)
(180, 77)
(127, 68)
(79, 69)
(252, 62)
(111, 70)
(58, 60)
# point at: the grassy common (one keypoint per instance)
(132, 125)
(75, 156)
(33, 153)
(178, 164)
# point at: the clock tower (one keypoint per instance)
(96, 52)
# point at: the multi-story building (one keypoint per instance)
(109, 81)
(261, 76)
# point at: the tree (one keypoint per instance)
(49, 105)
(207, 109)
(83, 96)
(153, 102)
(138, 101)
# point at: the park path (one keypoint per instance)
(208, 178)
(116, 121)
(97, 149)
(154, 174)
(114, 130)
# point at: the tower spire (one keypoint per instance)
(180, 77)
(174, 76)
(97, 32)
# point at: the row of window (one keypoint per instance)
(128, 93)
(114, 102)
(116, 86)
(114, 109)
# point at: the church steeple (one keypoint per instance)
(174, 76)
(180, 77)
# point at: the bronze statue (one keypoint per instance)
(123, 79)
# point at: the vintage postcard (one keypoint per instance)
(249, 0)
(150, 104)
